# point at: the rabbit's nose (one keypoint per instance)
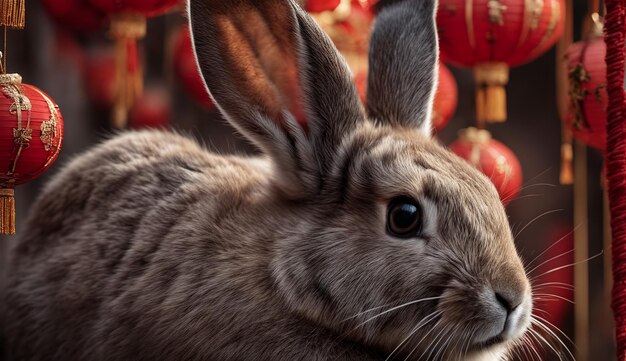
(508, 299)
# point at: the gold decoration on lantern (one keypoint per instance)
(495, 11)
(577, 77)
(48, 128)
(536, 8)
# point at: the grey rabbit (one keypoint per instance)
(355, 236)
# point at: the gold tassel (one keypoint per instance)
(491, 79)
(7, 211)
(567, 170)
(126, 29)
(13, 13)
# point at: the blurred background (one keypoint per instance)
(68, 51)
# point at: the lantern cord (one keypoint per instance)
(566, 175)
(615, 31)
(4, 51)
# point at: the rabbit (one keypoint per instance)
(354, 235)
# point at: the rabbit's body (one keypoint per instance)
(117, 264)
(357, 238)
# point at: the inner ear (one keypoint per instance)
(263, 43)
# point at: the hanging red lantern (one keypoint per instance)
(152, 110)
(77, 16)
(349, 29)
(99, 78)
(318, 6)
(31, 134)
(492, 35)
(128, 24)
(446, 98)
(553, 285)
(186, 69)
(587, 94)
(360, 80)
(493, 158)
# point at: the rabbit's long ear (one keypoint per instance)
(279, 80)
(403, 59)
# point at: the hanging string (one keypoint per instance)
(615, 31)
(566, 175)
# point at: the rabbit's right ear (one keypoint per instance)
(280, 81)
(403, 59)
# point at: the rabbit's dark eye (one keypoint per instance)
(404, 217)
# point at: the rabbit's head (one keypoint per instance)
(398, 244)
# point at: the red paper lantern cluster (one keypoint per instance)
(446, 98)
(186, 69)
(493, 158)
(587, 94)
(493, 35)
(31, 135)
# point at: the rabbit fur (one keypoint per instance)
(151, 247)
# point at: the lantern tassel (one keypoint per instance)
(13, 13)
(126, 29)
(7, 211)
(491, 79)
(567, 170)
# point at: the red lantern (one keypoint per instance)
(588, 98)
(77, 16)
(147, 8)
(553, 286)
(360, 80)
(99, 79)
(31, 134)
(349, 28)
(128, 23)
(493, 158)
(318, 6)
(186, 69)
(493, 35)
(446, 97)
(152, 110)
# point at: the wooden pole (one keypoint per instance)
(581, 254)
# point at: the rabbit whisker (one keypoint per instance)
(422, 339)
(419, 325)
(555, 297)
(551, 259)
(569, 265)
(542, 321)
(536, 219)
(396, 308)
(561, 285)
(444, 346)
(433, 343)
(552, 245)
(542, 339)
